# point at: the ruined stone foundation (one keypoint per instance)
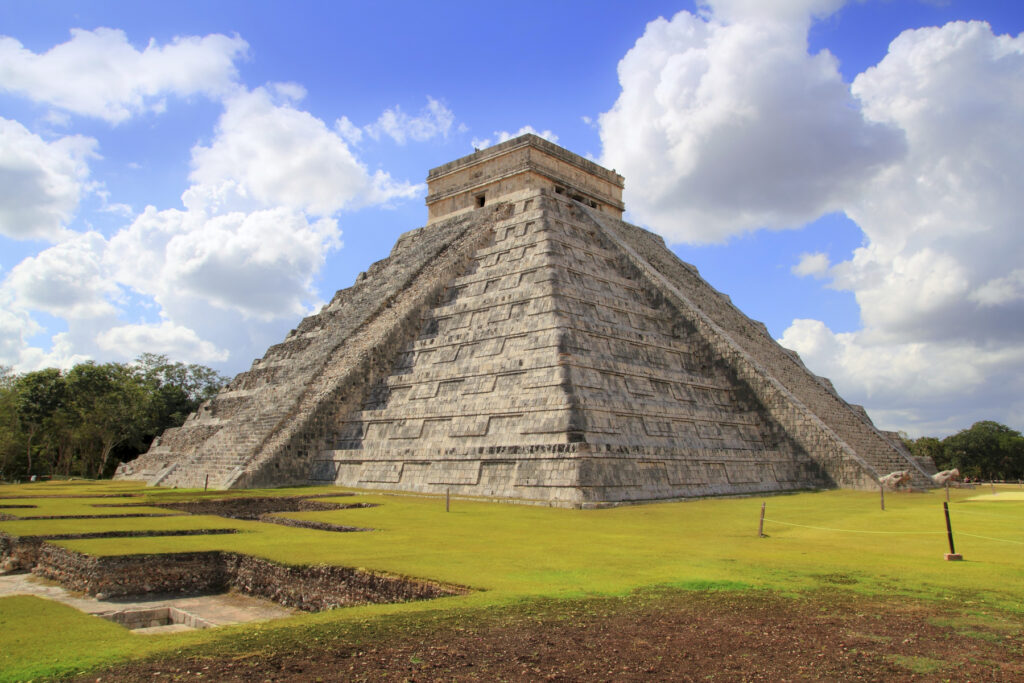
(529, 344)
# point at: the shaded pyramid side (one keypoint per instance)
(548, 371)
(264, 426)
(840, 436)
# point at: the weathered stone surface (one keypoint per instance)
(310, 588)
(534, 348)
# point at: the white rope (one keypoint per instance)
(905, 533)
(849, 531)
(989, 538)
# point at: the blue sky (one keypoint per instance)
(191, 178)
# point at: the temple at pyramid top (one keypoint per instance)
(528, 344)
(528, 161)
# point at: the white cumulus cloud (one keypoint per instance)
(258, 264)
(268, 153)
(16, 327)
(175, 341)
(503, 135)
(815, 264)
(66, 280)
(100, 74)
(434, 120)
(725, 123)
(938, 280)
(41, 182)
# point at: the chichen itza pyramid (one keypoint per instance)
(529, 344)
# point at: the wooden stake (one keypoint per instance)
(448, 499)
(952, 554)
(207, 482)
(760, 525)
(881, 490)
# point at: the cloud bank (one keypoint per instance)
(220, 272)
(727, 124)
(100, 74)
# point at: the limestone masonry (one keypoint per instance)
(528, 344)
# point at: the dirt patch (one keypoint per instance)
(266, 509)
(669, 635)
(307, 524)
(254, 508)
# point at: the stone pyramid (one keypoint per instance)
(529, 344)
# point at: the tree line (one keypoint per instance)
(987, 450)
(86, 420)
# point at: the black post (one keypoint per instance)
(949, 529)
(760, 526)
(447, 499)
(207, 482)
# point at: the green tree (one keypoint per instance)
(12, 439)
(39, 395)
(110, 406)
(175, 389)
(987, 450)
(929, 446)
(83, 420)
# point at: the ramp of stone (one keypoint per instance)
(272, 407)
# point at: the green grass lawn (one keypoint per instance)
(519, 552)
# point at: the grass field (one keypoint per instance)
(512, 553)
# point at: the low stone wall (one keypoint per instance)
(18, 553)
(322, 587)
(21, 553)
(124, 575)
(310, 588)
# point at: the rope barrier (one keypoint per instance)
(961, 511)
(904, 533)
(850, 531)
(989, 538)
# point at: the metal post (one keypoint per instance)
(760, 526)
